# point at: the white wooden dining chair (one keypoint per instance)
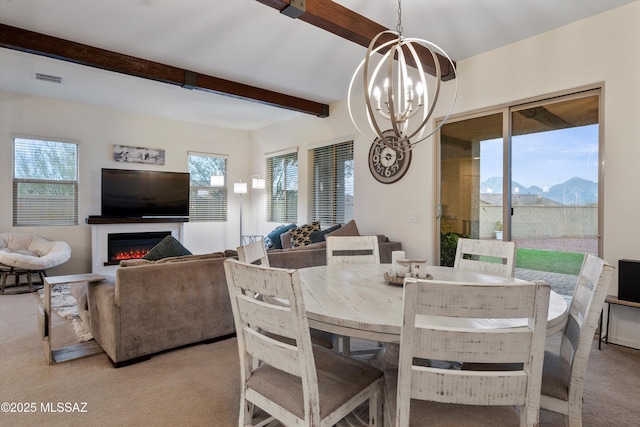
(252, 252)
(563, 373)
(428, 395)
(353, 250)
(486, 256)
(296, 383)
(256, 253)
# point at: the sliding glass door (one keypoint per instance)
(463, 146)
(528, 173)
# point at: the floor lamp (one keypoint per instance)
(240, 188)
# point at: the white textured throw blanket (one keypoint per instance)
(66, 306)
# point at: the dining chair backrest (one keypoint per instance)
(564, 372)
(486, 256)
(352, 250)
(286, 383)
(252, 252)
(433, 389)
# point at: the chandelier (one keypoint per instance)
(399, 113)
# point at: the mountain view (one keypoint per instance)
(575, 191)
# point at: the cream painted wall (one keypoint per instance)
(600, 50)
(97, 130)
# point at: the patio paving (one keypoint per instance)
(564, 284)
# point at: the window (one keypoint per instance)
(282, 188)
(45, 182)
(331, 183)
(207, 203)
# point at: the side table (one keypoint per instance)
(76, 351)
(612, 300)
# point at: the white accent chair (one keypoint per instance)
(353, 250)
(28, 254)
(432, 396)
(297, 384)
(563, 373)
(475, 249)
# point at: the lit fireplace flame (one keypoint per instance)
(130, 254)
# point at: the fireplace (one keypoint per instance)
(123, 246)
(123, 228)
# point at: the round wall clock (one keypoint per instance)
(389, 164)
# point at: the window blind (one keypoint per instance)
(45, 182)
(207, 203)
(331, 183)
(282, 188)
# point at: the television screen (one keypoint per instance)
(140, 193)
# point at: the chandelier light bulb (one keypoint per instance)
(405, 106)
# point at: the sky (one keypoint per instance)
(545, 158)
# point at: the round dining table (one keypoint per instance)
(355, 300)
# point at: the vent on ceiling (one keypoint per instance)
(48, 78)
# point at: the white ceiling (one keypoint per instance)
(248, 42)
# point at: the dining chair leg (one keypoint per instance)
(346, 345)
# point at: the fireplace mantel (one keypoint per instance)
(145, 220)
(101, 227)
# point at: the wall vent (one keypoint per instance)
(48, 78)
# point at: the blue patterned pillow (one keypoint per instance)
(274, 236)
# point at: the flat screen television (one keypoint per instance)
(143, 193)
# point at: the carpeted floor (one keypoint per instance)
(199, 385)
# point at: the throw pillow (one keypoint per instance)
(168, 247)
(301, 236)
(285, 239)
(349, 229)
(274, 236)
(318, 236)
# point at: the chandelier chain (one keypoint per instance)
(399, 26)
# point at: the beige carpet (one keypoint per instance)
(199, 385)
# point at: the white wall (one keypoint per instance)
(97, 130)
(602, 49)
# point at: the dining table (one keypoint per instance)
(356, 300)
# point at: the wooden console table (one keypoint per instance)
(77, 351)
(612, 300)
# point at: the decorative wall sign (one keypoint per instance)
(122, 153)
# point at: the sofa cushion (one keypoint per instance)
(318, 236)
(134, 262)
(191, 257)
(168, 247)
(301, 236)
(273, 238)
(349, 229)
(137, 262)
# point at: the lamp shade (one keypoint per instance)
(257, 183)
(217, 180)
(240, 187)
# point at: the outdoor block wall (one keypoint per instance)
(537, 222)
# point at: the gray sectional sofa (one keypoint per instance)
(153, 306)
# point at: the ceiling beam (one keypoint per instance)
(343, 22)
(65, 50)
